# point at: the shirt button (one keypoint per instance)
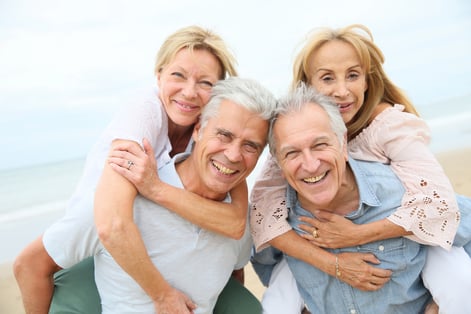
(381, 247)
(352, 311)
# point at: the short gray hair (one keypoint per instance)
(247, 93)
(301, 96)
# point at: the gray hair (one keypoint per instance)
(301, 96)
(247, 93)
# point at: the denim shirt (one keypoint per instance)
(380, 194)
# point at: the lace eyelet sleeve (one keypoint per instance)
(268, 211)
(429, 208)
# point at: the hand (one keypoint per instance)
(173, 301)
(355, 270)
(142, 173)
(332, 231)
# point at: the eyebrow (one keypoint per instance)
(330, 70)
(322, 138)
(229, 133)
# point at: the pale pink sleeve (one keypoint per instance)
(268, 212)
(429, 208)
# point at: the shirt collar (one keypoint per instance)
(368, 197)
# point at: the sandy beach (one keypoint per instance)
(455, 163)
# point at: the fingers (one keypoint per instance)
(368, 283)
(309, 221)
(382, 273)
(128, 145)
(324, 215)
(147, 147)
(191, 305)
(122, 163)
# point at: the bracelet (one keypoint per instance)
(337, 270)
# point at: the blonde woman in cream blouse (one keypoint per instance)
(383, 126)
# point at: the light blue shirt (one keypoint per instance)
(380, 194)
(195, 261)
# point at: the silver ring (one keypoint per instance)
(130, 164)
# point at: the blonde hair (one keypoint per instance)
(195, 37)
(380, 88)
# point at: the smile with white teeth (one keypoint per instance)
(314, 179)
(223, 169)
(185, 106)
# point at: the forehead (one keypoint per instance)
(310, 121)
(196, 59)
(332, 53)
(239, 121)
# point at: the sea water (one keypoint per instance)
(31, 198)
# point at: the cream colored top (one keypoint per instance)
(429, 209)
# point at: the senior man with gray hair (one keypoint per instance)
(308, 139)
(228, 141)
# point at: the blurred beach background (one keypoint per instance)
(66, 68)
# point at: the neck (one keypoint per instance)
(179, 137)
(348, 197)
(193, 182)
(345, 201)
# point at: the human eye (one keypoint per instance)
(251, 148)
(327, 79)
(224, 136)
(290, 155)
(352, 76)
(177, 74)
(205, 84)
(320, 146)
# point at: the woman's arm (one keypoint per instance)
(354, 268)
(119, 234)
(268, 211)
(429, 209)
(334, 231)
(226, 219)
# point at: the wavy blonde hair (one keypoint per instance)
(380, 88)
(196, 37)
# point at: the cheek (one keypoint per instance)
(322, 88)
(288, 169)
(205, 96)
(250, 161)
(360, 90)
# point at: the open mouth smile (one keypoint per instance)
(315, 179)
(185, 106)
(222, 169)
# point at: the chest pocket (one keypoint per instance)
(393, 253)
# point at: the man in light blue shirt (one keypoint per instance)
(194, 264)
(308, 139)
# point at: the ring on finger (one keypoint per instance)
(130, 164)
(315, 234)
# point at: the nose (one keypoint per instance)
(189, 90)
(233, 152)
(341, 89)
(310, 162)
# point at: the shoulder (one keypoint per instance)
(376, 177)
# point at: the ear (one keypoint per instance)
(196, 131)
(345, 146)
(158, 76)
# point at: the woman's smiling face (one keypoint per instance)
(185, 84)
(335, 70)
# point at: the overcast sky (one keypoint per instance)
(66, 66)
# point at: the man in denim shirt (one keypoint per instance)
(308, 138)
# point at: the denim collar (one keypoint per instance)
(368, 197)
